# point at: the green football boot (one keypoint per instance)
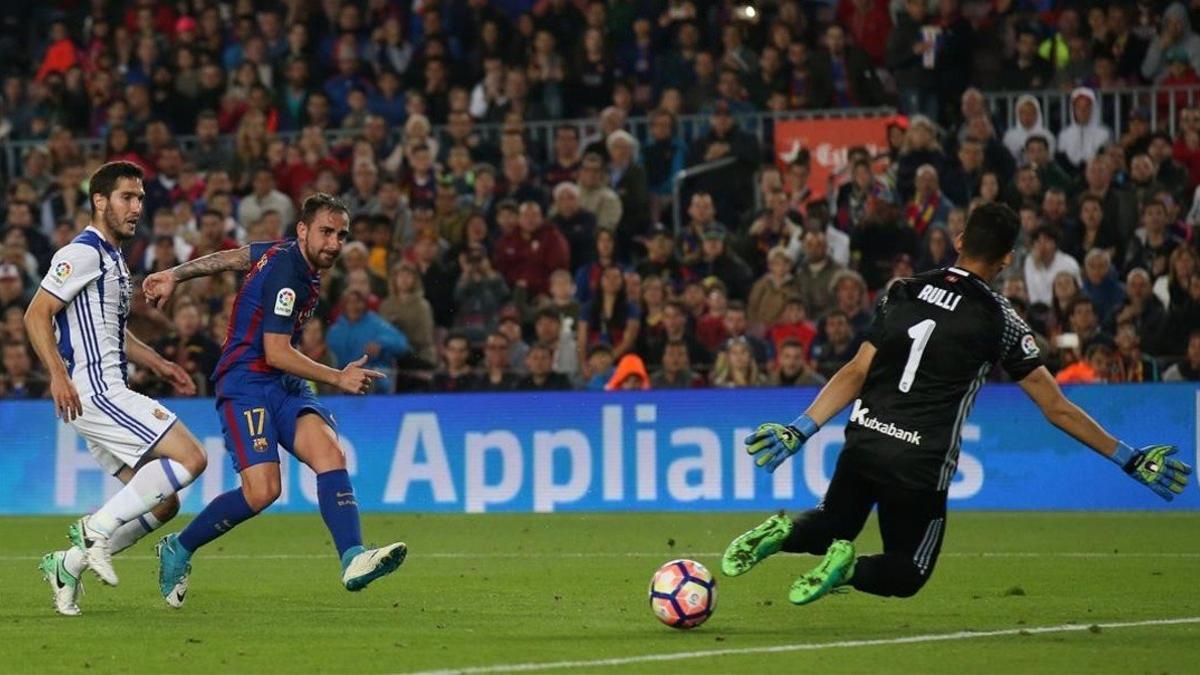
(75, 535)
(64, 587)
(835, 570)
(754, 546)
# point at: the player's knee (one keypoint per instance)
(909, 581)
(196, 460)
(166, 509)
(261, 494)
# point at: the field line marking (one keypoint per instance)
(804, 647)
(665, 555)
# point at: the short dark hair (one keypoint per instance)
(1079, 301)
(319, 202)
(598, 348)
(548, 313)
(1045, 231)
(789, 343)
(1151, 203)
(104, 181)
(1037, 138)
(991, 232)
(1097, 347)
(456, 335)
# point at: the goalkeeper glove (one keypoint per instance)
(1152, 467)
(772, 443)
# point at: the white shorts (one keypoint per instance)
(121, 426)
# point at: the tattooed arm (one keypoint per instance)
(159, 286)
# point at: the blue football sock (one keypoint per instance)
(339, 508)
(216, 519)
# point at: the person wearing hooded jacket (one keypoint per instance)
(1176, 33)
(1029, 123)
(1085, 136)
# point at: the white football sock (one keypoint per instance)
(152, 484)
(128, 534)
(75, 561)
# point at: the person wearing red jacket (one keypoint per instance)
(868, 22)
(1186, 150)
(62, 53)
(530, 253)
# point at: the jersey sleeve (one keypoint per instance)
(876, 332)
(73, 267)
(259, 248)
(283, 294)
(1019, 353)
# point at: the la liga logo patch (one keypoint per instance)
(285, 302)
(1029, 346)
(61, 272)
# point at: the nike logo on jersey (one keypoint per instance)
(859, 416)
(940, 297)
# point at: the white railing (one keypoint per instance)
(539, 133)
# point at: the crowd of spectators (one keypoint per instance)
(481, 261)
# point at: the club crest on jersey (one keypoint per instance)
(1029, 346)
(285, 302)
(161, 414)
(260, 444)
(62, 272)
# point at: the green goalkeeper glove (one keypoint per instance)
(1152, 467)
(773, 443)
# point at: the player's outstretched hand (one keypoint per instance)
(1153, 467)
(158, 287)
(772, 443)
(178, 377)
(66, 398)
(357, 380)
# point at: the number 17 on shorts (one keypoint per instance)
(249, 433)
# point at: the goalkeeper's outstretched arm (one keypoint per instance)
(1151, 465)
(843, 387)
(1062, 413)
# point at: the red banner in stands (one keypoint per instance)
(827, 142)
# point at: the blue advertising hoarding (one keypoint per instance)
(649, 451)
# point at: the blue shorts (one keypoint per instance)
(259, 414)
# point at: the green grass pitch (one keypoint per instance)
(489, 591)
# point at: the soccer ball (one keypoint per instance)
(683, 594)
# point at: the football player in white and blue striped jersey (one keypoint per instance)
(77, 325)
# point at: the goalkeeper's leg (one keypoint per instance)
(840, 515)
(913, 525)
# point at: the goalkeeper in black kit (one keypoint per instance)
(932, 342)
